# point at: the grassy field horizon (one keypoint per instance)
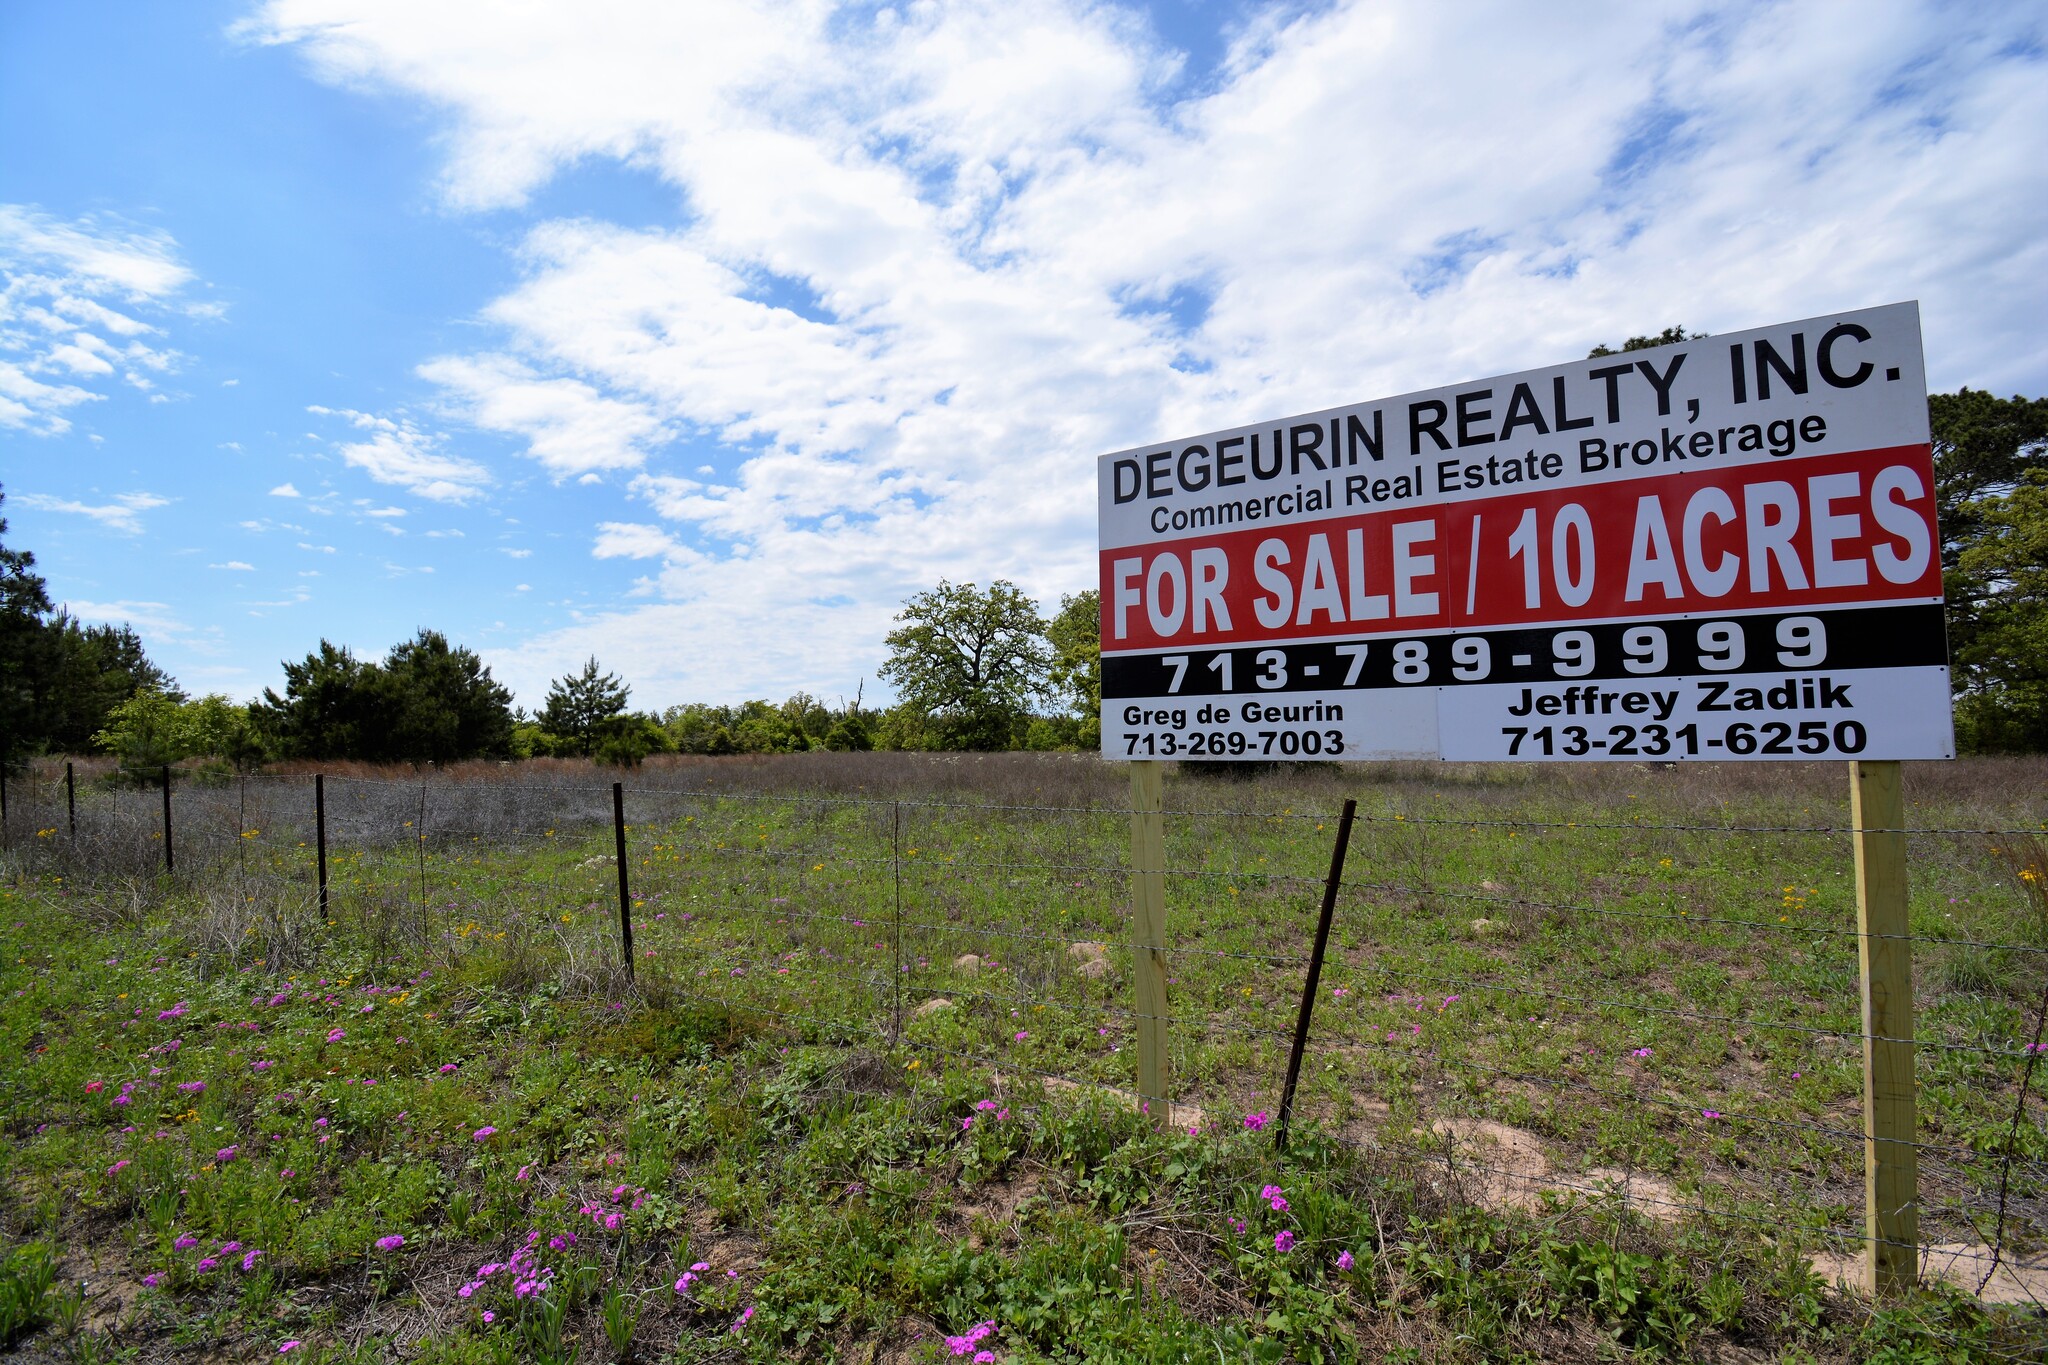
(1584, 1078)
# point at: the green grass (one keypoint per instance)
(1666, 987)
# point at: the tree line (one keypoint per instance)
(972, 668)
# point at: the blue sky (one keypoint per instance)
(699, 337)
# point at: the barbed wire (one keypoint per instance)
(1691, 1109)
(1697, 1016)
(1802, 927)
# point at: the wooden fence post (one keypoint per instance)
(1148, 934)
(1891, 1206)
(170, 863)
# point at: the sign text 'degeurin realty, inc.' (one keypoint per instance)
(1719, 549)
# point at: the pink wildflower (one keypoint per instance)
(480, 1134)
(972, 1338)
(1283, 1241)
(391, 1243)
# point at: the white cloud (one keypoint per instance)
(123, 514)
(236, 565)
(129, 263)
(569, 426)
(285, 490)
(316, 549)
(384, 511)
(516, 554)
(149, 617)
(937, 259)
(397, 452)
(60, 328)
(82, 360)
(627, 540)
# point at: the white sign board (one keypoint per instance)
(1719, 549)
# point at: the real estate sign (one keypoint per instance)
(1719, 549)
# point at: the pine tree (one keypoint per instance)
(578, 703)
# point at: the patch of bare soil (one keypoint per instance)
(997, 1202)
(1183, 1115)
(2017, 1279)
(1501, 1167)
(111, 1284)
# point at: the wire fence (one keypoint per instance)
(1660, 1013)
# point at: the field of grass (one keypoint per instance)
(1584, 1080)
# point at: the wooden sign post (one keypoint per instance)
(1148, 934)
(1891, 1207)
